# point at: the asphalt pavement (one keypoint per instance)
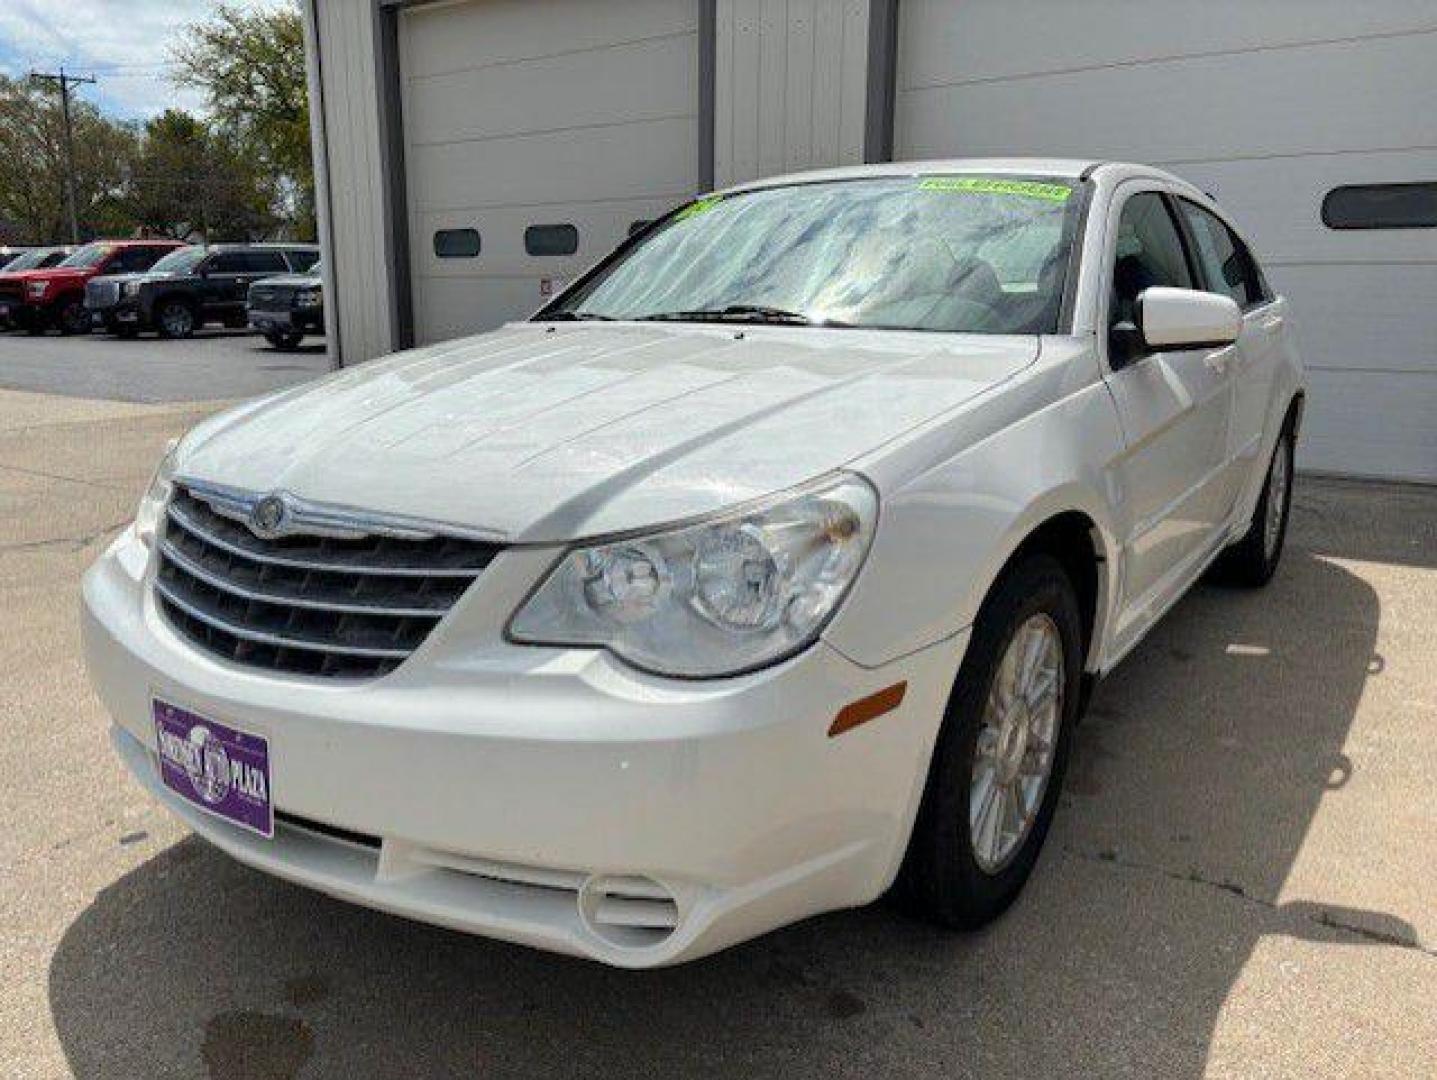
(1241, 881)
(213, 365)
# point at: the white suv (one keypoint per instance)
(767, 567)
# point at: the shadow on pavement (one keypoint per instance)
(1194, 783)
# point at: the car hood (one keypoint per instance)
(541, 433)
(55, 273)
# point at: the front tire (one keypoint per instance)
(285, 341)
(176, 319)
(73, 317)
(998, 765)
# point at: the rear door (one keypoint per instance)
(1226, 266)
(1175, 407)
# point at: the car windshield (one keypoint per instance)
(179, 261)
(968, 254)
(89, 255)
(29, 260)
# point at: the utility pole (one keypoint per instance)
(65, 82)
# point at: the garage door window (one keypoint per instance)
(456, 243)
(1381, 206)
(551, 239)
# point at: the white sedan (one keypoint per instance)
(765, 570)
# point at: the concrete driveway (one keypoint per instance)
(1242, 879)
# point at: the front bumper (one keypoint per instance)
(304, 320)
(536, 795)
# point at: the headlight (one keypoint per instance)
(36, 289)
(152, 506)
(130, 288)
(718, 597)
(307, 298)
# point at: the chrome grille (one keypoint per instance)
(272, 296)
(306, 603)
(100, 292)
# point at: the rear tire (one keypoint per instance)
(1252, 561)
(176, 319)
(964, 868)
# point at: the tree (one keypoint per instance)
(190, 182)
(32, 164)
(250, 67)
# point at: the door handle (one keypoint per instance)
(1218, 361)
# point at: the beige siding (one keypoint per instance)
(585, 116)
(1264, 110)
(356, 263)
(790, 86)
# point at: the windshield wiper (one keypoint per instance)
(576, 316)
(746, 313)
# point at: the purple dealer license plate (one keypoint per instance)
(222, 771)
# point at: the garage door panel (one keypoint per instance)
(1200, 109)
(1278, 203)
(1371, 424)
(558, 167)
(575, 90)
(600, 226)
(465, 35)
(1364, 318)
(998, 40)
(453, 307)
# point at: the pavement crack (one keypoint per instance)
(75, 543)
(1312, 912)
(43, 475)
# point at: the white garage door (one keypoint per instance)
(535, 135)
(1266, 106)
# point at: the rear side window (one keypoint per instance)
(1227, 266)
(456, 243)
(227, 262)
(551, 239)
(135, 259)
(264, 262)
(1381, 206)
(1150, 252)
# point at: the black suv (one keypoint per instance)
(284, 309)
(191, 287)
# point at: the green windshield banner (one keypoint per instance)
(1028, 189)
(699, 206)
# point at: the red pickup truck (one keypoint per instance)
(37, 300)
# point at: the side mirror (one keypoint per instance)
(1171, 318)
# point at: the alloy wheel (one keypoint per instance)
(1278, 479)
(1016, 744)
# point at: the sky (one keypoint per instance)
(123, 43)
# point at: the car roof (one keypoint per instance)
(1060, 168)
(268, 245)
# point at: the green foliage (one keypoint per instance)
(32, 164)
(241, 173)
(250, 67)
(189, 178)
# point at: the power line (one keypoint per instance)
(65, 82)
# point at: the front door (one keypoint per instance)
(1175, 408)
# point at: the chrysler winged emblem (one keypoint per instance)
(267, 519)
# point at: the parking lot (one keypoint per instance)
(215, 365)
(1242, 879)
